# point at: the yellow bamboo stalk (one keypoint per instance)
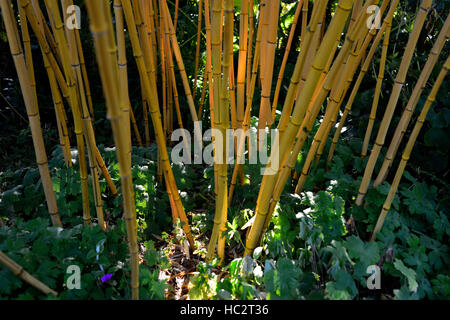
(356, 10)
(105, 172)
(102, 32)
(162, 54)
(292, 158)
(395, 94)
(232, 89)
(312, 49)
(19, 271)
(170, 101)
(85, 81)
(124, 98)
(210, 82)
(149, 88)
(27, 49)
(354, 60)
(85, 76)
(68, 89)
(208, 60)
(376, 96)
(76, 52)
(123, 73)
(326, 82)
(250, 44)
(318, 8)
(203, 97)
(242, 62)
(173, 84)
(304, 18)
(387, 21)
(226, 103)
(331, 83)
(335, 101)
(182, 71)
(197, 48)
(294, 83)
(268, 58)
(264, 21)
(60, 112)
(175, 97)
(146, 122)
(46, 32)
(220, 120)
(150, 19)
(68, 48)
(246, 123)
(412, 103)
(175, 19)
(408, 149)
(32, 109)
(148, 61)
(61, 123)
(336, 26)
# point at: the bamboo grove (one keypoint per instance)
(335, 54)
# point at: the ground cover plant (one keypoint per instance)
(120, 179)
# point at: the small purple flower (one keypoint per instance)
(106, 277)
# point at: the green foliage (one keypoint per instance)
(315, 245)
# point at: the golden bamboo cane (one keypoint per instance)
(334, 84)
(285, 57)
(412, 102)
(336, 26)
(182, 70)
(304, 18)
(68, 89)
(61, 123)
(18, 271)
(246, 123)
(123, 72)
(242, 63)
(175, 21)
(356, 57)
(356, 10)
(197, 49)
(387, 21)
(210, 82)
(289, 101)
(250, 44)
(268, 56)
(221, 120)
(330, 83)
(102, 32)
(326, 82)
(376, 96)
(226, 83)
(68, 48)
(395, 95)
(312, 49)
(408, 149)
(149, 88)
